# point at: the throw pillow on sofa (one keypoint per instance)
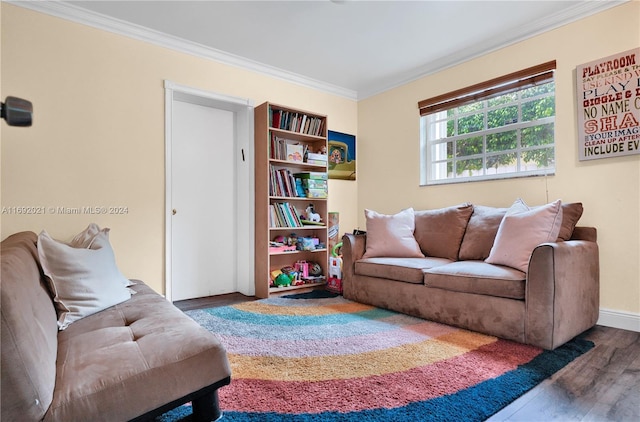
(439, 232)
(85, 239)
(571, 213)
(391, 235)
(82, 280)
(481, 232)
(521, 230)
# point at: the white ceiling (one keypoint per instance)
(353, 48)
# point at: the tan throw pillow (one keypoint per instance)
(83, 281)
(391, 235)
(571, 213)
(481, 232)
(439, 232)
(521, 230)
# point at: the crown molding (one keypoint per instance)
(96, 20)
(529, 30)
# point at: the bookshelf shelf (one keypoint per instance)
(295, 164)
(295, 198)
(298, 228)
(295, 135)
(299, 252)
(302, 286)
(285, 184)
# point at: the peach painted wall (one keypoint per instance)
(98, 132)
(83, 150)
(389, 143)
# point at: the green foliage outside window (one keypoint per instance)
(501, 147)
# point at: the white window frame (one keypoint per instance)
(433, 132)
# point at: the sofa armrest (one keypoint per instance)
(562, 295)
(585, 233)
(353, 248)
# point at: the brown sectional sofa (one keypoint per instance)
(556, 299)
(132, 361)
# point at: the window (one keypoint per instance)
(497, 129)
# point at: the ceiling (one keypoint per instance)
(352, 48)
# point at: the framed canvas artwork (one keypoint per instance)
(342, 156)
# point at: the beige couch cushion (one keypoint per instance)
(29, 333)
(478, 277)
(571, 213)
(481, 231)
(391, 235)
(439, 232)
(401, 269)
(132, 358)
(521, 230)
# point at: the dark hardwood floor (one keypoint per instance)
(212, 301)
(601, 385)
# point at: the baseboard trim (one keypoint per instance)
(619, 319)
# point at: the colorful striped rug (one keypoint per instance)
(330, 359)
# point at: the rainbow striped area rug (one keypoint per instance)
(330, 359)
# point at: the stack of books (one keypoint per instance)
(284, 214)
(314, 184)
(282, 183)
(297, 122)
(286, 149)
(314, 158)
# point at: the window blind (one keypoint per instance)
(501, 85)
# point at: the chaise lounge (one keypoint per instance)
(132, 361)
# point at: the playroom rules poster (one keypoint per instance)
(609, 106)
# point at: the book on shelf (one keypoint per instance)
(316, 158)
(289, 187)
(280, 220)
(313, 188)
(296, 122)
(282, 183)
(317, 193)
(295, 152)
(286, 149)
(284, 214)
(292, 219)
(295, 212)
(315, 175)
(275, 118)
(314, 184)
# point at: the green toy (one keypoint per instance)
(282, 280)
(335, 249)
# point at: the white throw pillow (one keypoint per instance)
(521, 230)
(83, 280)
(85, 239)
(391, 235)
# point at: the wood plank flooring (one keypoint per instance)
(601, 385)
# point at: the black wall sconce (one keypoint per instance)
(16, 111)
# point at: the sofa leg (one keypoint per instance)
(206, 408)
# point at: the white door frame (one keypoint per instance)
(243, 112)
